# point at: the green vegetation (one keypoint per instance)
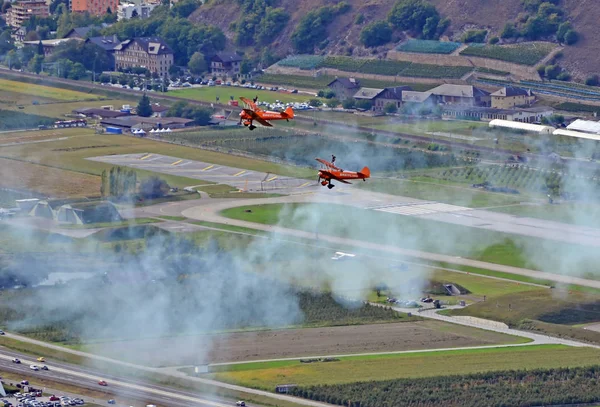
(309, 82)
(525, 54)
(405, 365)
(581, 214)
(492, 71)
(375, 34)
(479, 286)
(545, 311)
(259, 23)
(435, 71)
(12, 120)
(305, 62)
(311, 30)
(556, 386)
(426, 235)
(200, 115)
(577, 107)
(174, 218)
(474, 36)
(418, 17)
(429, 46)
(42, 91)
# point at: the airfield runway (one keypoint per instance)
(252, 181)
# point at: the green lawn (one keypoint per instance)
(127, 222)
(442, 191)
(210, 93)
(425, 126)
(480, 286)
(581, 214)
(46, 92)
(422, 234)
(421, 364)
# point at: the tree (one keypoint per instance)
(35, 63)
(134, 14)
(376, 33)
(154, 187)
(197, 64)
(184, 8)
(593, 80)
(348, 103)
(32, 36)
(494, 40)
(474, 36)
(312, 28)
(412, 15)
(144, 109)
(5, 6)
(390, 108)
(40, 48)
(315, 103)
(273, 22)
(364, 104)
(552, 71)
(562, 30)
(77, 71)
(333, 103)
(509, 31)
(571, 37)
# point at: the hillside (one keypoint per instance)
(580, 59)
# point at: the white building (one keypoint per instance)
(139, 8)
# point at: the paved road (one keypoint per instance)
(89, 375)
(208, 210)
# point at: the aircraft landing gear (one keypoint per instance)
(252, 127)
(330, 186)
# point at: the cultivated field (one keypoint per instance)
(44, 92)
(288, 343)
(526, 54)
(47, 181)
(430, 364)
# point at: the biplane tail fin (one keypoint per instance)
(289, 112)
(365, 172)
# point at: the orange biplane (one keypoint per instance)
(254, 113)
(331, 172)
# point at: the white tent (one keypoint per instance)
(169, 130)
(163, 130)
(152, 131)
(141, 131)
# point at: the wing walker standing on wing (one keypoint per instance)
(331, 172)
(252, 113)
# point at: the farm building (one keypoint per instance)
(344, 88)
(576, 134)
(510, 96)
(524, 115)
(67, 213)
(507, 124)
(98, 112)
(585, 126)
(381, 97)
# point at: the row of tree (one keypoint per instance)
(121, 183)
(541, 387)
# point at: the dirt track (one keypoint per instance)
(258, 345)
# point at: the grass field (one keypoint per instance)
(422, 234)
(60, 109)
(426, 364)
(480, 286)
(66, 171)
(210, 93)
(582, 214)
(44, 92)
(441, 191)
(526, 53)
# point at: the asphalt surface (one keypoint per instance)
(252, 181)
(209, 210)
(84, 376)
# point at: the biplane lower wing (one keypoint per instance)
(263, 122)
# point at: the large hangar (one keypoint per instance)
(508, 124)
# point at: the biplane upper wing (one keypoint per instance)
(250, 103)
(328, 164)
(262, 121)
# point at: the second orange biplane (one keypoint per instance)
(331, 172)
(254, 113)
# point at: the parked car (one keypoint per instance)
(102, 383)
(241, 403)
(34, 367)
(15, 360)
(41, 359)
(1, 332)
(111, 401)
(53, 398)
(25, 382)
(45, 367)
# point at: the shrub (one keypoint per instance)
(571, 37)
(359, 19)
(364, 104)
(564, 76)
(474, 36)
(333, 102)
(375, 34)
(592, 80)
(494, 40)
(349, 103)
(390, 108)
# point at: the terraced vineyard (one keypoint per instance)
(306, 62)
(555, 88)
(377, 67)
(429, 47)
(524, 54)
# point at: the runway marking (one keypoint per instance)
(239, 173)
(207, 168)
(146, 156)
(176, 162)
(272, 178)
(420, 209)
(303, 185)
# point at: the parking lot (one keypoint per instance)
(247, 180)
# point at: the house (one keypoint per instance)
(135, 8)
(414, 97)
(466, 95)
(83, 32)
(108, 44)
(390, 95)
(150, 53)
(101, 113)
(344, 88)
(49, 45)
(94, 7)
(159, 111)
(225, 63)
(19, 34)
(380, 97)
(22, 11)
(511, 96)
(523, 115)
